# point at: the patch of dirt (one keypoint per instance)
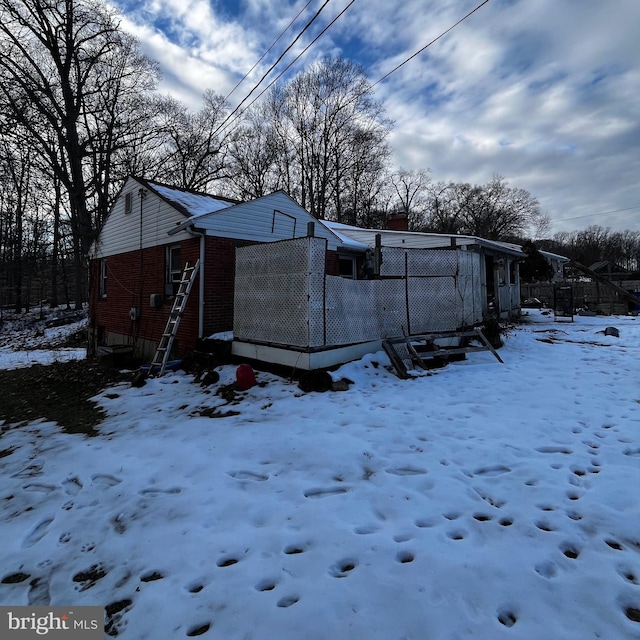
(57, 392)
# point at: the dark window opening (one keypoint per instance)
(173, 270)
(513, 272)
(102, 279)
(347, 267)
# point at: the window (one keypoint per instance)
(500, 272)
(513, 272)
(102, 279)
(128, 202)
(173, 271)
(347, 267)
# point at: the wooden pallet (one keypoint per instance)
(418, 348)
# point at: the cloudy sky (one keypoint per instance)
(543, 92)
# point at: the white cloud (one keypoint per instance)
(544, 93)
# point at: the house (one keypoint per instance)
(295, 312)
(499, 276)
(152, 231)
(295, 290)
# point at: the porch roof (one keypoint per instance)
(420, 240)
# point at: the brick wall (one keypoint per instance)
(331, 263)
(124, 277)
(218, 281)
(111, 314)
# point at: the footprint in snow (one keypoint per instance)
(38, 595)
(248, 475)
(287, 601)
(198, 629)
(268, 584)
(195, 586)
(105, 480)
(366, 530)
(546, 569)
(37, 486)
(29, 472)
(552, 449)
(324, 492)
(496, 470)
(37, 533)
(72, 486)
(157, 492)
(406, 471)
(507, 617)
(343, 568)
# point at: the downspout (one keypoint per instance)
(202, 236)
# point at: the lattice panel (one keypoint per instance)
(393, 264)
(283, 297)
(291, 256)
(316, 306)
(433, 304)
(432, 262)
(317, 254)
(350, 311)
(272, 308)
(391, 307)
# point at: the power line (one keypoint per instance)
(287, 67)
(387, 74)
(426, 46)
(600, 213)
(262, 57)
(235, 110)
(444, 33)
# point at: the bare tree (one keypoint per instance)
(323, 113)
(58, 59)
(196, 148)
(411, 189)
(256, 153)
(494, 210)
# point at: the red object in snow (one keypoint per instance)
(245, 377)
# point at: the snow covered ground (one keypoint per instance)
(483, 501)
(26, 340)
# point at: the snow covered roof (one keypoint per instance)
(189, 203)
(345, 239)
(418, 240)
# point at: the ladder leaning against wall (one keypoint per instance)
(159, 362)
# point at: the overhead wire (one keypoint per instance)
(236, 109)
(384, 77)
(262, 57)
(239, 115)
(600, 213)
(426, 46)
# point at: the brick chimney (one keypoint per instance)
(398, 222)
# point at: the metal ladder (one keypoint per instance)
(170, 330)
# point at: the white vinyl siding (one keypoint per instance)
(121, 232)
(267, 219)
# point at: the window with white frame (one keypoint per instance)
(102, 279)
(173, 270)
(347, 266)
